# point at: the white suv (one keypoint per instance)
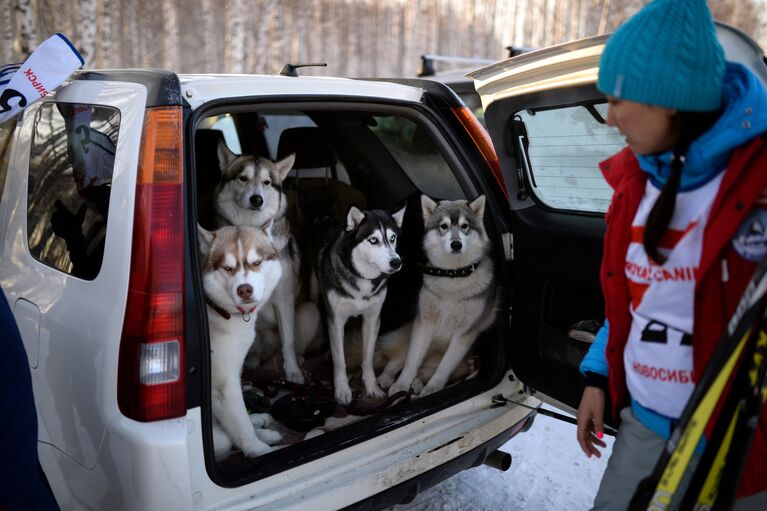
(103, 185)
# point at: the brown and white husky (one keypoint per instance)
(241, 268)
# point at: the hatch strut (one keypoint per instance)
(499, 400)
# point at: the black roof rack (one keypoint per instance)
(518, 50)
(290, 69)
(428, 60)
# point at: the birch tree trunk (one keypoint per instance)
(104, 52)
(235, 36)
(6, 32)
(209, 36)
(129, 43)
(25, 12)
(85, 31)
(171, 35)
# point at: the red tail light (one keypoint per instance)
(150, 383)
(479, 135)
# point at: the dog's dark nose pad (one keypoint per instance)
(256, 201)
(456, 245)
(395, 263)
(244, 291)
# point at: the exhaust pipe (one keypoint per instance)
(499, 460)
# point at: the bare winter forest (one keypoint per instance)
(354, 37)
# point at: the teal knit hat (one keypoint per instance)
(666, 55)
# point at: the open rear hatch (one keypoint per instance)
(547, 122)
(373, 152)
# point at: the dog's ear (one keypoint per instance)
(399, 215)
(478, 206)
(284, 165)
(353, 218)
(427, 206)
(225, 156)
(205, 239)
(267, 227)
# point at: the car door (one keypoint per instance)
(65, 255)
(547, 123)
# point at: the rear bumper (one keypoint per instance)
(406, 492)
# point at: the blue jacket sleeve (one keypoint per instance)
(595, 360)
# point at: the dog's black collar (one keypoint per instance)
(454, 273)
(216, 307)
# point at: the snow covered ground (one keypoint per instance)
(549, 472)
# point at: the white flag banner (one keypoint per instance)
(46, 68)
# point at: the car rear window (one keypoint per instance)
(562, 152)
(70, 178)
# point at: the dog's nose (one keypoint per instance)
(395, 263)
(244, 291)
(256, 201)
(456, 245)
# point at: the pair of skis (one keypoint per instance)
(733, 387)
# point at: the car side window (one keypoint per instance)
(561, 153)
(6, 138)
(70, 178)
(417, 154)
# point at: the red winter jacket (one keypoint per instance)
(723, 273)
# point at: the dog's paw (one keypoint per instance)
(255, 448)
(374, 391)
(430, 389)
(385, 380)
(269, 436)
(294, 374)
(398, 387)
(343, 394)
(260, 420)
(417, 385)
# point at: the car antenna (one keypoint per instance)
(290, 69)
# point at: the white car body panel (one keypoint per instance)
(75, 377)
(199, 89)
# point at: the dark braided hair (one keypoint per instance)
(692, 125)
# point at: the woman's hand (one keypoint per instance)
(590, 421)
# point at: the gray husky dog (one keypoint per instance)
(250, 193)
(354, 266)
(456, 303)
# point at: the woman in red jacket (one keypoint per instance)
(685, 229)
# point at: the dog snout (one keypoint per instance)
(256, 201)
(456, 245)
(395, 263)
(245, 291)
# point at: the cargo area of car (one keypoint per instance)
(368, 155)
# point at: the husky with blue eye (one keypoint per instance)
(456, 303)
(353, 269)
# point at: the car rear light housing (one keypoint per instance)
(482, 140)
(150, 381)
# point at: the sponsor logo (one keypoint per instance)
(663, 374)
(750, 240)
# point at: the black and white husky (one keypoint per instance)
(241, 269)
(456, 303)
(354, 266)
(250, 193)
